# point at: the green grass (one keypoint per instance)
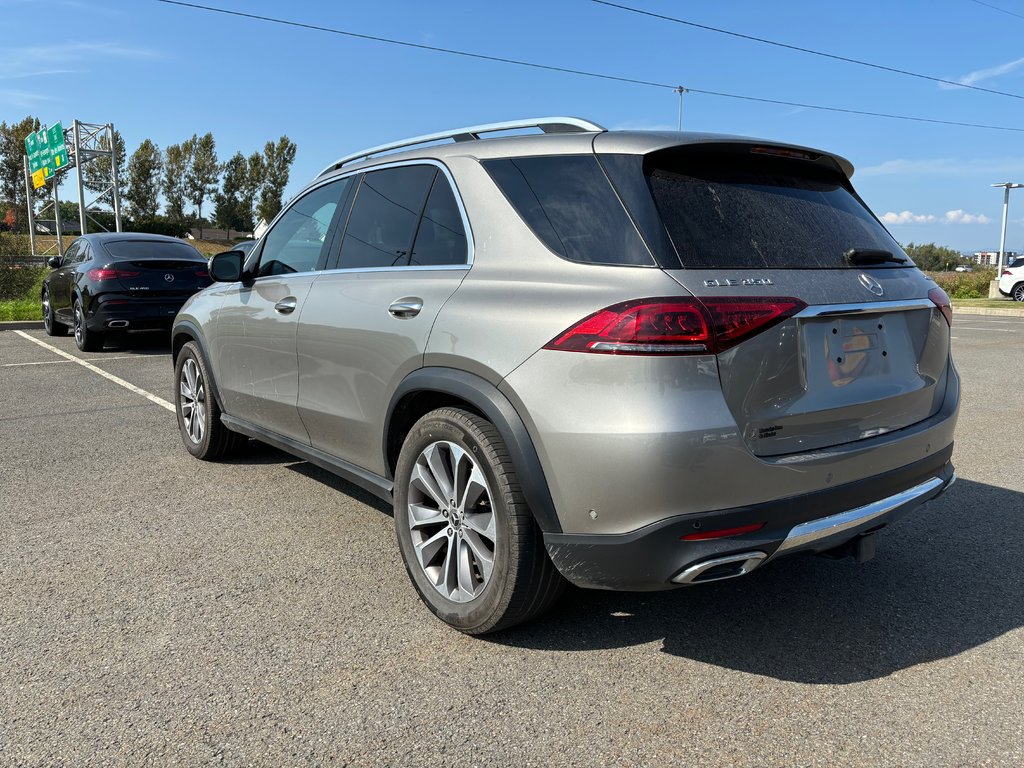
(27, 306)
(990, 304)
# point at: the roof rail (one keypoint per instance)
(471, 133)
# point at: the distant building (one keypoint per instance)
(49, 227)
(991, 258)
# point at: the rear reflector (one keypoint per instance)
(941, 300)
(99, 275)
(723, 533)
(675, 326)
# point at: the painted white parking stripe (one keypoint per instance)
(126, 384)
(64, 362)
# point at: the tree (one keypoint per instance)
(96, 172)
(277, 159)
(229, 212)
(933, 258)
(201, 173)
(12, 165)
(254, 174)
(176, 162)
(143, 188)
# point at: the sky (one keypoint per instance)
(164, 72)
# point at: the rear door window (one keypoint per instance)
(386, 210)
(441, 237)
(571, 207)
(742, 211)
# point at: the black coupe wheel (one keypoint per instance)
(85, 340)
(50, 324)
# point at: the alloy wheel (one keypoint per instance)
(451, 520)
(79, 325)
(192, 398)
(1018, 293)
(47, 317)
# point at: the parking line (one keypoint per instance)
(987, 330)
(127, 385)
(63, 362)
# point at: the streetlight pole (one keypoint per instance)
(1007, 186)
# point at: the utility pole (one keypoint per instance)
(1007, 186)
(76, 133)
(31, 213)
(680, 90)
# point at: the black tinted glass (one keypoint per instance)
(742, 211)
(300, 235)
(441, 238)
(569, 204)
(384, 216)
(150, 249)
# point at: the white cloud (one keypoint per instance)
(947, 166)
(66, 58)
(16, 99)
(907, 217)
(979, 75)
(960, 216)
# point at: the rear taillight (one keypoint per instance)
(99, 275)
(1007, 273)
(941, 300)
(202, 273)
(675, 326)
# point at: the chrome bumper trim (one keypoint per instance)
(815, 534)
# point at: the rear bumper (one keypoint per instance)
(132, 315)
(656, 557)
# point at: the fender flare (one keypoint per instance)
(497, 409)
(191, 330)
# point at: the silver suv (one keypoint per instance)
(625, 360)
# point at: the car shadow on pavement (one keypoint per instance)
(139, 343)
(947, 578)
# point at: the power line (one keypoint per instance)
(997, 8)
(584, 73)
(833, 56)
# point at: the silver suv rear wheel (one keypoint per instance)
(469, 542)
(1018, 292)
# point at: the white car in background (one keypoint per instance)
(1011, 282)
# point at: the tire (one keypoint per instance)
(50, 324)
(520, 582)
(202, 432)
(1018, 292)
(85, 340)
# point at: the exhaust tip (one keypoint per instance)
(117, 324)
(719, 568)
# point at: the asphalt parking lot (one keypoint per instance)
(155, 609)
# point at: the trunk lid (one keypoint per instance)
(867, 356)
(158, 269)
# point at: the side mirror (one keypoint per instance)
(227, 267)
(53, 262)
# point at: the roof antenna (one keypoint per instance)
(680, 90)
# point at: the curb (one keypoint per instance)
(21, 325)
(998, 312)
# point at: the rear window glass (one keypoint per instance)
(151, 249)
(742, 212)
(568, 203)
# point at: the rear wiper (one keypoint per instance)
(872, 256)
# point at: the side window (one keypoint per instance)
(441, 238)
(570, 206)
(84, 253)
(71, 252)
(384, 215)
(300, 235)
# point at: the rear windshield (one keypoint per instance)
(151, 249)
(738, 211)
(568, 203)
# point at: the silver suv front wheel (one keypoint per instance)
(470, 543)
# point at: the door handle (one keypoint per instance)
(285, 306)
(407, 307)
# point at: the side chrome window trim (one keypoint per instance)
(470, 245)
